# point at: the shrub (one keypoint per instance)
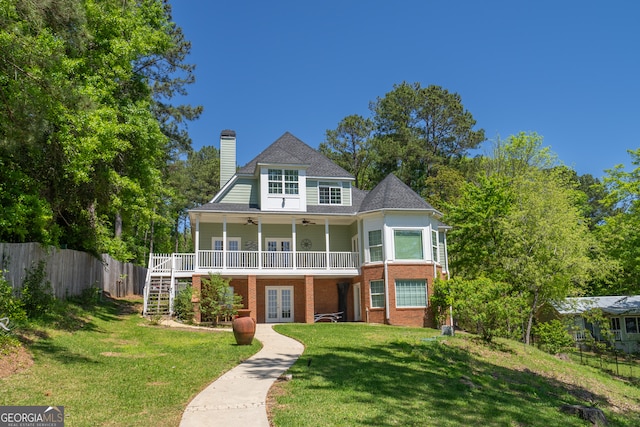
(10, 304)
(484, 306)
(217, 300)
(36, 294)
(182, 306)
(553, 337)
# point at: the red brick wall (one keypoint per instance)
(326, 295)
(399, 316)
(309, 303)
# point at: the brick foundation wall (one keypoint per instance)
(399, 316)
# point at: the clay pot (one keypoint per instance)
(244, 327)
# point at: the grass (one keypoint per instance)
(623, 365)
(358, 374)
(109, 367)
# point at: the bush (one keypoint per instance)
(553, 337)
(182, 306)
(484, 306)
(10, 304)
(36, 294)
(217, 300)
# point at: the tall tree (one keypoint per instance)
(418, 128)
(349, 145)
(82, 116)
(522, 225)
(619, 232)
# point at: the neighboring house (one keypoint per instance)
(296, 238)
(622, 313)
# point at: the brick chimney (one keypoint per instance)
(227, 155)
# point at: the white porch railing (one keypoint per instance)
(253, 260)
(617, 335)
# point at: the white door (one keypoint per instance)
(279, 304)
(357, 309)
(278, 253)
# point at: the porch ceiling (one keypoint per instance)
(275, 218)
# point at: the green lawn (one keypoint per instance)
(358, 374)
(109, 368)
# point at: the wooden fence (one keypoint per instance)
(70, 272)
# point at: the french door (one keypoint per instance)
(279, 304)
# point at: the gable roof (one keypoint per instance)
(392, 193)
(289, 150)
(608, 304)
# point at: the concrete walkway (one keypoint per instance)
(238, 398)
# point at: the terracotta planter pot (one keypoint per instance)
(244, 327)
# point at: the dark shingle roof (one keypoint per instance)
(391, 193)
(291, 151)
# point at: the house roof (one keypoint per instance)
(289, 150)
(608, 304)
(391, 193)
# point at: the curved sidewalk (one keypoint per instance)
(238, 398)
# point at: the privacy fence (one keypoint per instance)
(70, 272)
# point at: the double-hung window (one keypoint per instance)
(330, 193)
(377, 293)
(283, 181)
(408, 244)
(411, 293)
(375, 245)
(631, 325)
(233, 243)
(434, 246)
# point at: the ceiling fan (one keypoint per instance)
(251, 221)
(306, 221)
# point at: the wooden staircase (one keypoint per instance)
(158, 296)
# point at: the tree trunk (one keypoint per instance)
(532, 313)
(118, 226)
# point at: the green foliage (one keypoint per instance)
(523, 226)
(87, 129)
(441, 300)
(619, 231)
(36, 293)
(88, 297)
(10, 304)
(483, 306)
(553, 337)
(217, 300)
(418, 129)
(182, 305)
(349, 146)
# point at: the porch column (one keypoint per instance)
(196, 285)
(252, 297)
(309, 308)
(196, 263)
(259, 243)
(293, 243)
(224, 242)
(326, 240)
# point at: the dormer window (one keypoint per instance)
(329, 193)
(283, 181)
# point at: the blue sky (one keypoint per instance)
(568, 70)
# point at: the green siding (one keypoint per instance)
(312, 193)
(346, 193)
(244, 190)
